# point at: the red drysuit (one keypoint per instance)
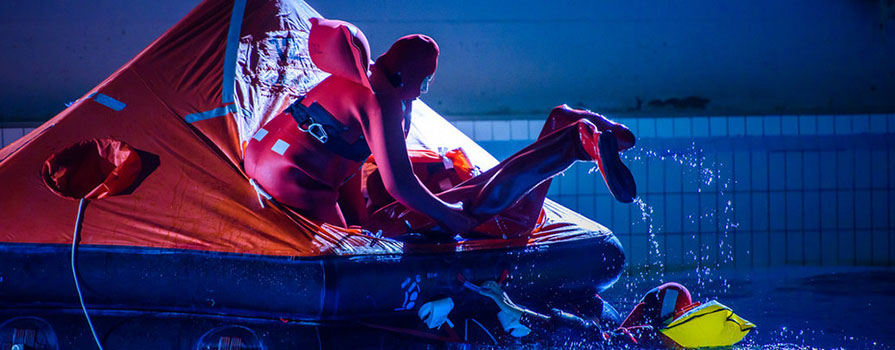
(306, 163)
(306, 156)
(294, 166)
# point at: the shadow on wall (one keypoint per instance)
(692, 102)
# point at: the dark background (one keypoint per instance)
(510, 58)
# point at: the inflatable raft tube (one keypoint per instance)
(319, 288)
(160, 288)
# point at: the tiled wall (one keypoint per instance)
(10, 134)
(739, 191)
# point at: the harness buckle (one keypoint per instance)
(316, 130)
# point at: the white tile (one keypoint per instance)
(682, 127)
(826, 125)
(482, 130)
(754, 126)
(878, 124)
(500, 130)
(519, 130)
(700, 126)
(807, 125)
(647, 127)
(534, 129)
(718, 126)
(772, 125)
(10, 135)
(790, 125)
(664, 127)
(465, 127)
(861, 124)
(736, 126)
(843, 124)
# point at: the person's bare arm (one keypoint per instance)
(385, 136)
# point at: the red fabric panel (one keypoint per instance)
(92, 169)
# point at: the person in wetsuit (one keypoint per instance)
(308, 156)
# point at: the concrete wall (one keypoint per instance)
(753, 57)
(516, 57)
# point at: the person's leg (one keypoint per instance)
(564, 115)
(517, 220)
(495, 190)
(520, 182)
(559, 117)
(529, 170)
(522, 216)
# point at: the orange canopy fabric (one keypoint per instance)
(93, 169)
(185, 105)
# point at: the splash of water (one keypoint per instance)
(706, 261)
(646, 215)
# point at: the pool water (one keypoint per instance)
(793, 307)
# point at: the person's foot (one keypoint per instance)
(618, 178)
(623, 135)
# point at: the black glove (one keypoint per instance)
(564, 319)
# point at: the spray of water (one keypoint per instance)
(713, 220)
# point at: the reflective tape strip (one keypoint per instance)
(229, 78)
(217, 112)
(260, 134)
(668, 303)
(280, 147)
(108, 101)
(261, 193)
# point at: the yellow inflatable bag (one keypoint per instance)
(708, 325)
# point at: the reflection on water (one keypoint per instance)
(795, 307)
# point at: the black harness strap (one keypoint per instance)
(320, 124)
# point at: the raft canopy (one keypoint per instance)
(167, 131)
